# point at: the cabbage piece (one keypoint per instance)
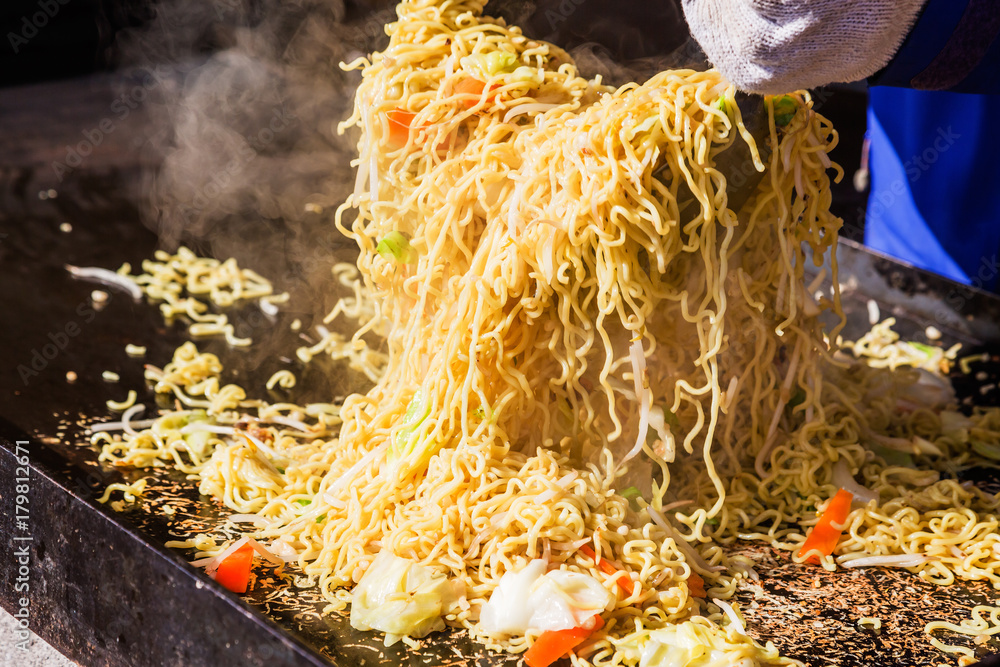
(407, 437)
(400, 597)
(177, 421)
(682, 646)
(563, 599)
(955, 425)
(507, 611)
(691, 644)
(529, 75)
(532, 599)
(930, 391)
(485, 66)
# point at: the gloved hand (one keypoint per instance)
(775, 46)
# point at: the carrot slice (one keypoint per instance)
(399, 126)
(554, 644)
(827, 531)
(473, 88)
(624, 581)
(234, 572)
(696, 585)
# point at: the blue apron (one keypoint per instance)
(935, 156)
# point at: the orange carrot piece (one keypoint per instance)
(826, 533)
(696, 585)
(399, 126)
(473, 88)
(554, 644)
(624, 581)
(234, 571)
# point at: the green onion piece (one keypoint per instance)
(630, 493)
(891, 456)
(303, 502)
(397, 245)
(281, 471)
(924, 347)
(712, 522)
(670, 419)
(721, 105)
(320, 518)
(986, 450)
(784, 110)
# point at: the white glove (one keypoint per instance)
(776, 46)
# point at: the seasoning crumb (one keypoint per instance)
(296, 324)
(99, 296)
(70, 377)
(65, 228)
(169, 510)
(816, 583)
(110, 376)
(135, 350)
(932, 333)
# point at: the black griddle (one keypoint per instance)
(103, 588)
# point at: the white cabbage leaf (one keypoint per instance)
(400, 597)
(691, 644)
(534, 599)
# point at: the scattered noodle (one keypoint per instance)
(984, 620)
(283, 378)
(121, 406)
(187, 284)
(549, 269)
(130, 492)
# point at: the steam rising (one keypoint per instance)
(251, 156)
(243, 115)
(252, 165)
(249, 94)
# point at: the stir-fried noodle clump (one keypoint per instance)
(598, 373)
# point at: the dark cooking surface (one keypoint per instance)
(808, 613)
